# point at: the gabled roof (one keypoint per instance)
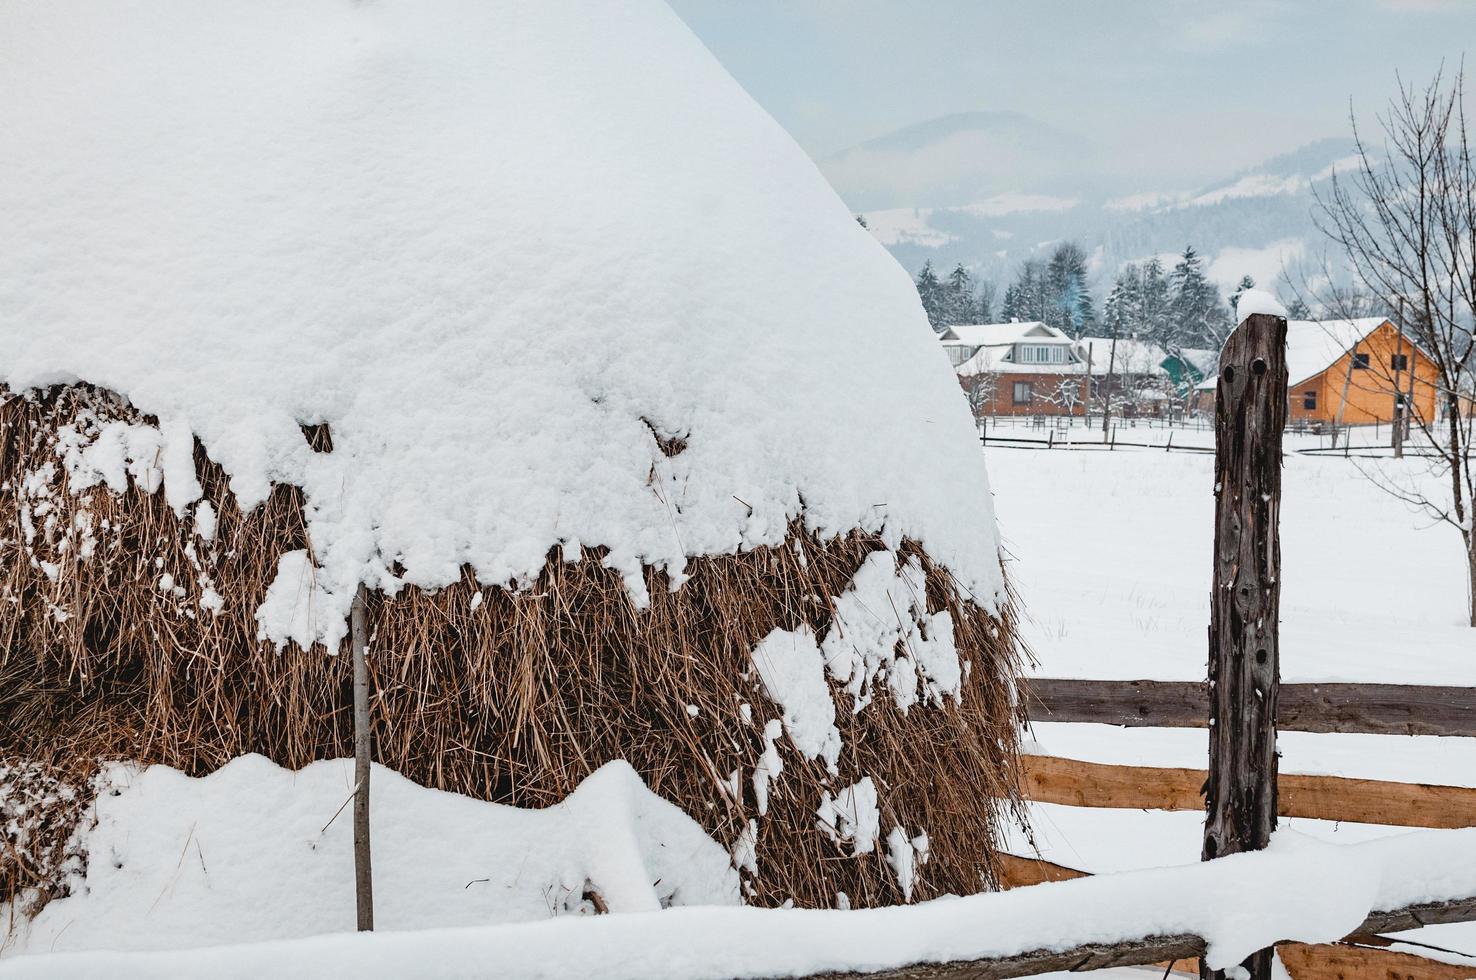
(997, 334)
(1313, 346)
(1130, 356)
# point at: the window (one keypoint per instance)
(1023, 394)
(1399, 362)
(1309, 400)
(1041, 354)
(1360, 362)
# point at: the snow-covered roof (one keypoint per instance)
(1203, 359)
(1313, 346)
(997, 334)
(1129, 357)
(494, 245)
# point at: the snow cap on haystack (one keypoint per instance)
(550, 277)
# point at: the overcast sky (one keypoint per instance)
(1182, 91)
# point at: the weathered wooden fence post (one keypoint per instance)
(1244, 668)
(363, 872)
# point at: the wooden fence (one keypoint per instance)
(1243, 703)
(1383, 709)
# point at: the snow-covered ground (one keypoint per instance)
(1112, 559)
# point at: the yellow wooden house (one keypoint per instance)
(1349, 372)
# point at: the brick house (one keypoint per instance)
(1017, 368)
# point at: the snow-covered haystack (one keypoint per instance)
(523, 316)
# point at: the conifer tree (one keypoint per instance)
(1010, 310)
(984, 304)
(1198, 317)
(930, 291)
(1154, 303)
(1123, 312)
(1246, 282)
(1027, 298)
(1069, 300)
(958, 300)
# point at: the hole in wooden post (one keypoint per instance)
(1229, 374)
(1261, 657)
(1258, 366)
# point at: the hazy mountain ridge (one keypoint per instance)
(1251, 222)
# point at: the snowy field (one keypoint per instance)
(1112, 558)
(1111, 554)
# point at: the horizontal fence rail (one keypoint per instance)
(1072, 782)
(1377, 709)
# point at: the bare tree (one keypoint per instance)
(1067, 393)
(980, 390)
(1406, 222)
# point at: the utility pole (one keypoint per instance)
(363, 873)
(1244, 643)
(1399, 409)
(1088, 412)
(1107, 385)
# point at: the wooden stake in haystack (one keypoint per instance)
(1244, 655)
(363, 872)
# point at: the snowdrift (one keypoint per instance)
(255, 852)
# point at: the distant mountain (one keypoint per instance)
(1251, 222)
(967, 156)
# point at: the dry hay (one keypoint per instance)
(515, 698)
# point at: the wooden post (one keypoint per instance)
(1244, 668)
(1087, 415)
(1397, 439)
(363, 873)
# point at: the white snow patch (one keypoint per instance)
(205, 520)
(1145, 201)
(906, 226)
(793, 674)
(884, 608)
(117, 451)
(177, 455)
(852, 816)
(770, 765)
(298, 606)
(904, 856)
(1003, 204)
